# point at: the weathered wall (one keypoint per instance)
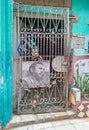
(55, 3)
(81, 10)
(6, 14)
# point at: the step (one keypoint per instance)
(22, 120)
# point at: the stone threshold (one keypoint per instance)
(23, 120)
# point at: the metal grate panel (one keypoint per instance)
(45, 29)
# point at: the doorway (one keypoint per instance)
(40, 59)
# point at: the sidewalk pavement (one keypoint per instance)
(30, 119)
(69, 124)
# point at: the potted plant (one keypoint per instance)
(82, 82)
(85, 89)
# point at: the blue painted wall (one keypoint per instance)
(6, 14)
(81, 9)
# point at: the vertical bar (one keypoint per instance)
(25, 31)
(50, 42)
(18, 24)
(44, 35)
(67, 19)
(14, 61)
(38, 25)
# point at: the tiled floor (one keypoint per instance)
(82, 109)
(74, 124)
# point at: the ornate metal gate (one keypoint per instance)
(41, 58)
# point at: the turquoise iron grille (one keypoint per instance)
(5, 61)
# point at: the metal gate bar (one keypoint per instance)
(47, 29)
